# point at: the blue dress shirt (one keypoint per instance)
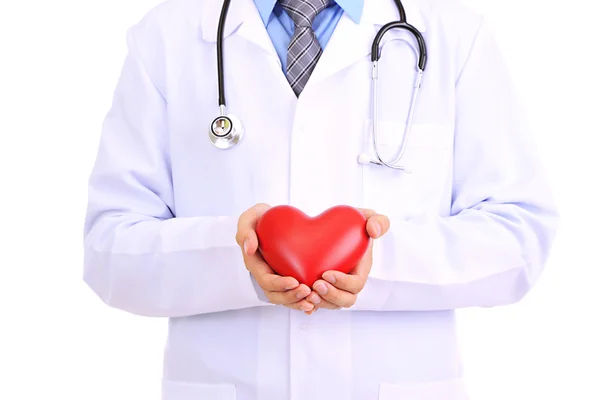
(280, 26)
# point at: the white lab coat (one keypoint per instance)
(471, 226)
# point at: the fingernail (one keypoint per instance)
(306, 307)
(321, 288)
(246, 244)
(314, 299)
(377, 229)
(301, 294)
(329, 278)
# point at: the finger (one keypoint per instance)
(246, 236)
(301, 305)
(250, 243)
(319, 302)
(290, 296)
(334, 295)
(276, 283)
(363, 268)
(355, 281)
(346, 282)
(314, 298)
(266, 278)
(378, 225)
(329, 306)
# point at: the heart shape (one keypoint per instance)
(303, 247)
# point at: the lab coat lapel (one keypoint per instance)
(243, 20)
(349, 43)
(352, 42)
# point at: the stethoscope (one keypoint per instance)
(226, 130)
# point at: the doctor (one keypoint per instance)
(169, 230)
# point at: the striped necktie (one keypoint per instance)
(304, 49)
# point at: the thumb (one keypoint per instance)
(246, 235)
(378, 225)
(250, 243)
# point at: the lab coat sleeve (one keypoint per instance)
(492, 248)
(138, 256)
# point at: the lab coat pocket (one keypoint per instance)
(173, 390)
(452, 389)
(427, 160)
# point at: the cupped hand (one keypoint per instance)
(341, 290)
(286, 291)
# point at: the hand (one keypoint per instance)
(342, 289)
(319, 302)
(279, 290)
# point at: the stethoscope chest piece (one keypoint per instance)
(225, 131)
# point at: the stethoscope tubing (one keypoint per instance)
(224, 141)
(220, 67)
(376, 51)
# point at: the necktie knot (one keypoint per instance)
(303, 12)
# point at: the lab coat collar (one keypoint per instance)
(243, 19)
(352, 7)
(265, 8)
(349, 43)
(378, 12)
(352, 42)
(245, 12)
(241, 12)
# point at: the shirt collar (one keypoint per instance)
(353, 8)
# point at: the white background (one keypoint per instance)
(59, 62)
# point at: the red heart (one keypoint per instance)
(303, 247)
